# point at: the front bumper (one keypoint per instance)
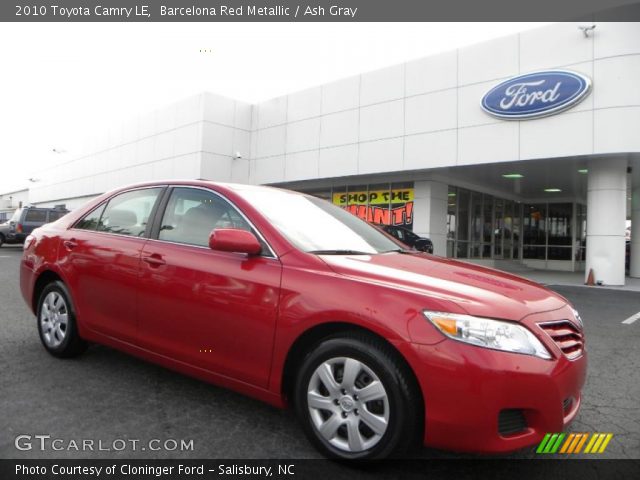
(465, 388)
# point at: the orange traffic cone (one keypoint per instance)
(591, 281)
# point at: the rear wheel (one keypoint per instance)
(57, 323)
(355, 399)
(1, 240)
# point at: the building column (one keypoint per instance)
(635, 223)
(606, 219)
(430, 213)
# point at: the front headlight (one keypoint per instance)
(578, 318)
(483, 332)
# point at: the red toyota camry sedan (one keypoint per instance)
(292, 300)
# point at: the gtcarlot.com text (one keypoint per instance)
(48, 443)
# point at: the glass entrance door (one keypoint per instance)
(506, 226)
(498, 229)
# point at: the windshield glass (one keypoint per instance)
(317, 226)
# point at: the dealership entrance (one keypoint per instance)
(483, 226)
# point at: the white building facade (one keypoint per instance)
(410, 145)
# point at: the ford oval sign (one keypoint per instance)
(536, 94)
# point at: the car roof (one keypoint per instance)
(236, 187)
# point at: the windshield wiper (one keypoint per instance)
(339, 252)
(399, 250)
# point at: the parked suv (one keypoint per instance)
(406, 236)
(25, 220)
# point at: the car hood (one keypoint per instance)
(477, 290)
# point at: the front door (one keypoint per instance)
(213, 310)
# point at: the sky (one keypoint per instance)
(63, 82)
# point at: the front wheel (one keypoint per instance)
(356, 400)
(57, 322)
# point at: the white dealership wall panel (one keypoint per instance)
(418, 122)
(193, 138)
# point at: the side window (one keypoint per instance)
(36, 216)
(92, 219)
(128, 213)
(192, 214)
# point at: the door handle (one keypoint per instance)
(70, 244)
(155, 260)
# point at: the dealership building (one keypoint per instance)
(522, 150)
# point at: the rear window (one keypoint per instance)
(16, 215)
(36, 216)
(56, 214)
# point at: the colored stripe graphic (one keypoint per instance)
(572, 443)
(607, 439)
(594, 437)
(581, 443)
(567, 443)
(550, 443)
(555, 447)
(543, 443)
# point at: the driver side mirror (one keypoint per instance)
(234, 240)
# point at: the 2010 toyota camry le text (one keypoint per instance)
(287, 298)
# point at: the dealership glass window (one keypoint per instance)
(559, 231)
(358, 195)
(517, 229)
(476, 217)
(534, 253)
(581, 232)
(451, 221)
(560, 215)
(382, 203)
(128, 213)
(463, 199)
(535, 230)
(484, 226)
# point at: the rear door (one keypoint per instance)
(100, 256)
(214, 310)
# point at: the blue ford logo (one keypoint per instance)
(536, 94)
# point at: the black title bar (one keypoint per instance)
(317, 11)
(291, 469)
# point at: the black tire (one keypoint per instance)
(405, 409)
(71, 344)
(1, 240)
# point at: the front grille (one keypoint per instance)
(511, 421)
(567, 336)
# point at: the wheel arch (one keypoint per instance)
(315, 334)
(44, 278)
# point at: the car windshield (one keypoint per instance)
(317, 226)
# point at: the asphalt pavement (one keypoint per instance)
(114, 399)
